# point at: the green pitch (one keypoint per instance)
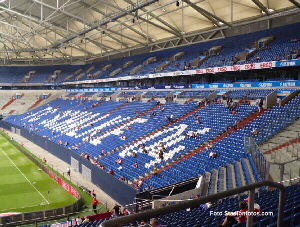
(23, 187)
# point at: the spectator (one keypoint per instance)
(140, 182)
(135, 165)
(123, 137)
(111, 172)
(144, 224)
(102, 153)
(260, 105)
(125, 211)
(235, 124)
(278, 101)
(161, 155)
(205, 206)
(116, 210)
(154, 223)
(155, 171)
(236, 217)
(86, 156)
(171, 117)
(86, 220)
(94, 204)
(212, 154)
(100, 166)
(254, 131)
(144, 150)
(147, 187)
(162, 147)
(68, 171)
(119, 161)
(78, 220)
(256, 206)
(93, 194)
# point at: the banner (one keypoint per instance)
(287, 83)
(287, 63)
(251, 66)
(63, 184)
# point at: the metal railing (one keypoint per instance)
(119, 222)
(268, 129)
(290, 146)
(261, 164)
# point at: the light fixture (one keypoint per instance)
(269, 10)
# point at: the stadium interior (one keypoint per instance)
(177, 110)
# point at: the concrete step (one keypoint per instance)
(241, 173)
(280, 156)
(222, 179)
(249, 169)
(214, 179)
(290, 132)
(232, 176)
(294, 150)
(205, 187)
(291, 170)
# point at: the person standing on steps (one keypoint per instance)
(94, 204)
(68, 171)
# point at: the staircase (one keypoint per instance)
(229, 177)
(284, 147)
(10, 112)
(10, 102)
(35, 104)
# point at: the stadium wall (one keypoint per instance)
(118, 190)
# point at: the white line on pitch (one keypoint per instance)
(19, 208)
(25, 176)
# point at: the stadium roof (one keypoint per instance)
(43, 30)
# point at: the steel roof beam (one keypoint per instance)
(126, 25)
(213, 18)
(103, 22)
(295, 3)
(85, 22)
(49, 26)
(261, 6)
(139, 17)
(19, 13)
(159, 19)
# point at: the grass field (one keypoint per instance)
(23, 187)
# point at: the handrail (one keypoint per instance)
(196, 202)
